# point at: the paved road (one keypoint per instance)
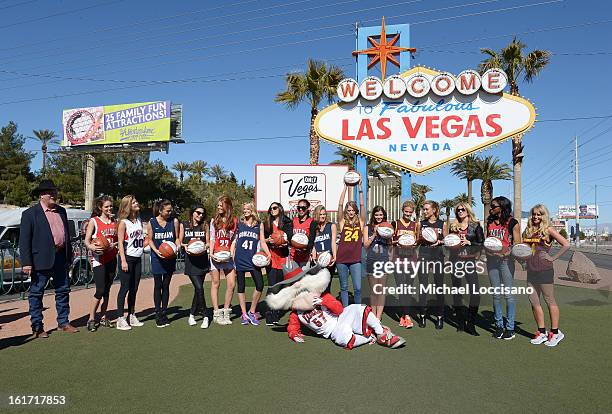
(603, 261)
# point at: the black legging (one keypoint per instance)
(103, 277)
(129, 284)
(198, 303)
(161, 292)
(274, 276)
(255, 275)
(436, 265)
(473, 285)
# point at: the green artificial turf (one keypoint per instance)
(184, 369)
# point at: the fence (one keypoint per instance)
(14, 282)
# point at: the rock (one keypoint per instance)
(581, 269)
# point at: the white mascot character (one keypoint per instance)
(350, 327)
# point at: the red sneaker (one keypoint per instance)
(408, 322)
(390, 340)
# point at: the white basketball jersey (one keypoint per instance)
(320, 320)
(134, 238)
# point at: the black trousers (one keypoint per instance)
(161, 292)
(436, 265)
(103, 277)
(129, 284)
(198, 303)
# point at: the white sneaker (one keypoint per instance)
(122, 324)
(191, 320)
(226, 316)
(553, 339)
(204, 323)
(539, 338)
(218, 317)
(134, 321)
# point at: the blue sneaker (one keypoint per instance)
(252, 319)
(244, 320)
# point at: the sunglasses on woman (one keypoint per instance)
(273, 208)
(460, 210)
(199, 213)
(302, 208)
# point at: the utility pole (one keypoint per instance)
(577, 192)
(596, 217)
(90, 178)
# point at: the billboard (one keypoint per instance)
(143, 122)
(287, 184)
(422, 119)
(587, 211)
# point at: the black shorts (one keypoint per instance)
(543, 277)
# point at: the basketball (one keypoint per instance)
(260, 259)
(222, 256)
(102, 243)
(299, 241)
(195, 247)
(429, 235)
(385, 230)
(406, 240)
(279, 238)
(324, 259)
(167, 250)
(352, 178)
(452, 240)
(493, 244)
(521, 251)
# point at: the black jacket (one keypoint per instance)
(475, 234)
(287, 227)
(36, 245)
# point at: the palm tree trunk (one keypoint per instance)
(486, 192)
(314, 139)
(44, 161)
(517, 163)
(469, 191)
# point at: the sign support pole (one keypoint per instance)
(361, 163)
(90, 178)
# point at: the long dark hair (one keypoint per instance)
(268, 224)
(192, 210)
(505, 211)
(228, 215)
(96, 211)
(375, 210)
(160, 205)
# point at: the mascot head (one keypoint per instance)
(298, 292)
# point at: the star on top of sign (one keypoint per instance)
(383, 51)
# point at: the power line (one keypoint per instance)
(18, 4)
(37, 19)
(595, 137)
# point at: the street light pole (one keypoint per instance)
(576, 193)
(596, 217)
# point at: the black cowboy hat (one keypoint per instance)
(45, 185)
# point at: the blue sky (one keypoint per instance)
(239, 51)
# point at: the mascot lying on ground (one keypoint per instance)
(302, 293)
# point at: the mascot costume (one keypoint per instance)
(302, 292)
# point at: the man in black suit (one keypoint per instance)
(45, 251)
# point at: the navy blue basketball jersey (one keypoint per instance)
(323, 239)
(247, 242)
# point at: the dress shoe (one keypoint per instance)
(40, 333)
(69, 328)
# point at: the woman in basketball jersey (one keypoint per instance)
(324, 237)
(433, 259)
(196, 267)
(469, 230)
(162, 227)
(500, 266)
(275, 222)
(540, 234)
(222, 233)
(348, 256)
(245, 245)
(131, 236)
(377, 250)
(302, 223)
(404, 225)
(103, 263)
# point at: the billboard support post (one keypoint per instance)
(90, 179)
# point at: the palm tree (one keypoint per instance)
(181, 167)
(463, 198)
(419, 195)
(464, 169)
(199, 168)
(345, 157)
(516, 64)
(489, 169)
(448, 204)
(320, 81)
(218, 173)
(46, 137)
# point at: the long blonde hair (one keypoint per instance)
(125, 207)
(254, 213)
(455, 225)
(356, 220)
(316, 214)
(542, 229)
